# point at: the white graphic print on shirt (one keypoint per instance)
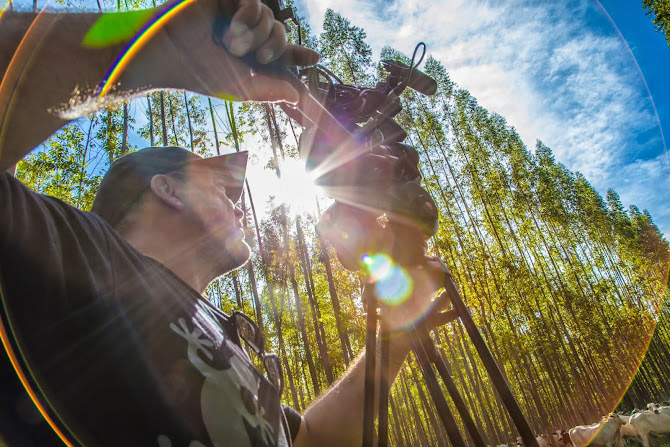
(229, 402)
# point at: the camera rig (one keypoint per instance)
(376, 186)
(355, 152)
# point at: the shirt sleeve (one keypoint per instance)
(54, 281)
(294, 419)
(53, 257)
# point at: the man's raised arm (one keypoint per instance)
(57, 66)
(336, 418)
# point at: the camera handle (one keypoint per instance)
(428, 357)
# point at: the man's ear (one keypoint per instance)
(167, 189)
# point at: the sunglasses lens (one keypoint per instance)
(249, 332)
(273, 368)
(253, 338)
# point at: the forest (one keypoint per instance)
(568, 287)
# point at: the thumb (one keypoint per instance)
(299, 55)
(267, 89)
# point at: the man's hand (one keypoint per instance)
(200, 55)
(336, 418)
(45, 67)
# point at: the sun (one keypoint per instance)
(296, 187)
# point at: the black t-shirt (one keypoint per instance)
(117, 349)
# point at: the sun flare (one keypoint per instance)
(294, 188)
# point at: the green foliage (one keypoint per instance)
(110, 130)
(63, 168)
(344, 51)
(306, 38)
(181, 128)
(660, 10)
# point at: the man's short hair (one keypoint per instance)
(129, 177)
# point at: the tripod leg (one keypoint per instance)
(490, 364)
(443, 410)
(383, 434)
(370, 372)
(443, 370)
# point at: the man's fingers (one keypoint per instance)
(435, 269)
(246, 17)
(442, 302)
(254, 37)
(299, 55)
(274, 46)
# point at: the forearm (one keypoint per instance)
(45, 70)
(336, 418)
(52, 62)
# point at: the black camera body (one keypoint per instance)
(376, 182)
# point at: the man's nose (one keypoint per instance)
(238, 212)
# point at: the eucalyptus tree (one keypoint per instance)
(660, 10)
(111, 130)
(299, 31)
(344, 51)
(65, 165)
(188, 122)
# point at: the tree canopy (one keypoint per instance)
(659, 11)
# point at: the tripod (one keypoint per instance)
(428, 358)
(409, 202)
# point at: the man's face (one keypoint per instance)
(206, 203)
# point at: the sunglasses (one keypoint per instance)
(253, 338)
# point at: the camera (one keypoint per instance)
(356, 154)
(375, 181)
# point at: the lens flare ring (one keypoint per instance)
(138, 42)
(392, 283)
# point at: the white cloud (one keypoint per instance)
(649, 179)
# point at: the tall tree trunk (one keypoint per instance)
(399, 428)
(124, 140)
(316, 314)
(173, 119)
(216, 135)
(303, 331)
(300, 313)
(82, 166)
(163, 121)
(345, 344)
(151, 121)
(277, 131)
(274, 139)
(252, 274)
(188, 117)
(438, 428)
(238, 293)
(418, 420)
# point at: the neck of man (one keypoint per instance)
(187, 257)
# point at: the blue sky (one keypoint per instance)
(587, 78)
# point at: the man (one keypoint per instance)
(103, 321)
